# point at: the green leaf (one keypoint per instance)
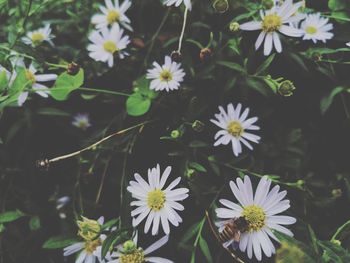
(65, 84)
(265, 64)
(232, 65)
(259, 86)
(340, 16)
(335, 5)
(190, 233)
(3, 81)
(59, 242)
(116, 237)
(137, 104)
(327, 101)
(333, 253)
(11, 216)
(110, 223)
(34, 223)
(20, 81)
(197, 166)
(205, 249)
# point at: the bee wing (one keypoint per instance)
(237, 236)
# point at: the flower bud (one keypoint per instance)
(234, 26)
(221, 6)
(176, 56)
(286, 88)
(129, 246)
(73, 68)
(175, 134)
(88, 229)
(198, 126)
(190, 173)
(267, 4)
(205, 54)
(336, 242)
(337, 193)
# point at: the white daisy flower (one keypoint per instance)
(35, 80)
(112, 14)
(130, 252)
(187, 3)
(273, 21)
(234, 128)
(86, 248)
(260, 211)
(348, 44)
(107, 43)
(316, 28)
(157, 204)
(37, 37)
(81, 121)
(167, 77)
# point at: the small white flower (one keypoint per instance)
(273, 21)
(107, 43)
(167, 77)
(37, 37)
(316, 28)
(81, 121)
(260, 211)
(348, 44)
(130, 252)
(187, 3)
(86, 248)
(234, 128)
(157, 204)
(34, 79)
(112, 14)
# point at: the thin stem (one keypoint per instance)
(183, 30)
(103, 180)
(105, 91)
(339, 230)
(96, 143)
(154, 37)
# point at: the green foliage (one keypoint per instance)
(11, 216)
(65, 84)
(59, 242)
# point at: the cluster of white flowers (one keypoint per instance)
(286, 18)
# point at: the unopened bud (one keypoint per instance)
(268, 4)
(336, 242)
(190, 173)
(337, 193)
(43, 164)
(221, 6)
(176, 56)
(286, 88)
(301, 183)
(205, 54)
(234, 26)
(175, 134)
(198, 126)
(73, 68)
(129, 246)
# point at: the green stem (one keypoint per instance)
(339, 230)
(105, 91)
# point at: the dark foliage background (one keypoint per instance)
(305, 137)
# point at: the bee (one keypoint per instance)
(232, 229)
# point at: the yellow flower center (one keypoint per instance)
(271, 23)
(166, 76)
(113, 16)
(311, 30)
(255, 217)
(156, 200)
(110, 46)
(235, 128)
(136, 256)
(37, 38)
(30, 76)
(90, 246)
